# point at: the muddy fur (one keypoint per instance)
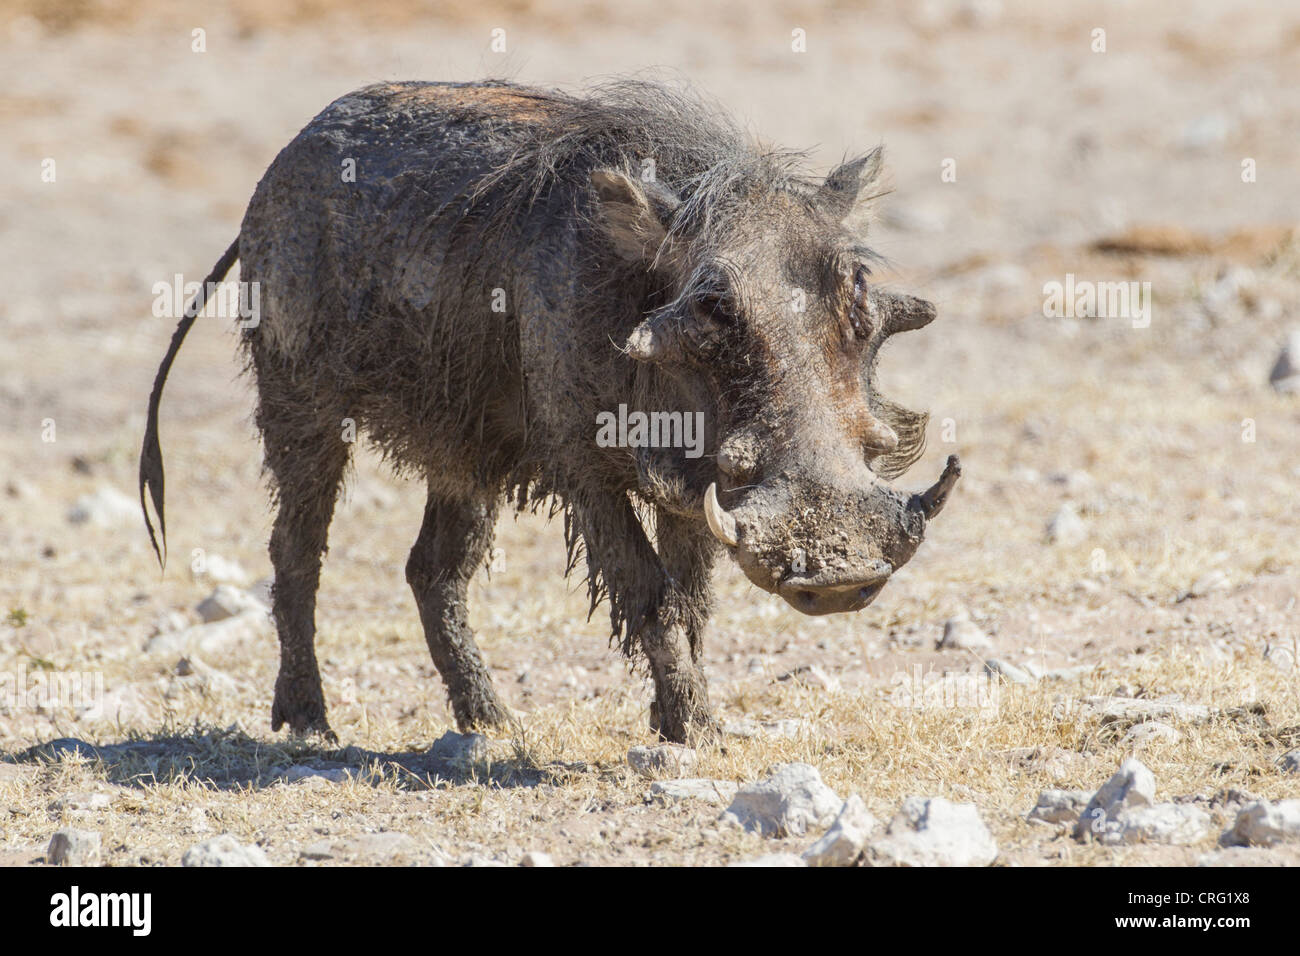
(466, 304)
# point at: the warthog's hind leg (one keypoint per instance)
(453, 541)
(306, 456)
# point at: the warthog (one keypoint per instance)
(477, 275)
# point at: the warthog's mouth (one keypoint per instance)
(849, 557)
(821, 594)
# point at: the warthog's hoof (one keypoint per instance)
(691, 727)
(303, 709)
(480, 713)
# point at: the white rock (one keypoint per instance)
(1265, 824)
(715, 792)
(302, 772)
(1173, 824)
(227, 601)
(462, 749)
(1000, 668)
(224, 850)
(1148, 732)
(1285, 376)
(963, 634)
(1132, 785)
(661, 760)
(1289, 762)
(1066, 527)
(1280, 656)
(1142, 709)
(771, 859)
(536, 858)
(69, 847)
(932, 831)
(1060, 806)
(747, 728)
(811, 675)
(1208, 583)
(790, 801)
(221, 570)
(247, 627)
(106, 507)
(81, 802)
(844, 842)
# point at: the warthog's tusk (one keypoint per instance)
(931, 501)
(721, 524)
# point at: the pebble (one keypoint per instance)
(1265, 824)
(715, 792)
(214, 638)
(221, 570)
(106, 507)
(661, 760)
(1172, 824)
(790, 801)
(69, 847)
(932, 831)
(810, 675)
(224, 850)
(1000, 668)
(844, 842)
(227, 601)
(1066, 527)
(1148, 732)
(1132, 785)
(748, 729)
(771, 859)
(963, 634)
(1060, 806)
(1285, 376)
(81, 802)
(460, 749)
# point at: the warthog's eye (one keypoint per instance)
(715, 307)
(859, 316)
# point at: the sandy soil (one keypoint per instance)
(1167, 441)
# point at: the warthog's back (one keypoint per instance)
(371, 236)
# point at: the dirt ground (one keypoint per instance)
(1177, 584)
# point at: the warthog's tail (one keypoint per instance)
(151, 463)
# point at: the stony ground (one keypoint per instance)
(1124, 549)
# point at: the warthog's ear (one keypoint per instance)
(851, 185)
(636, 215)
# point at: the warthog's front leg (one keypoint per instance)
(680, 711)
(659, 601)
(454, 538)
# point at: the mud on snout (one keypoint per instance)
(822, 549)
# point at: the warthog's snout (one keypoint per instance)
(825, 552)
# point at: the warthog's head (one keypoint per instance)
(774, 309)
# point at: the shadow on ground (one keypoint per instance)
(232, 760)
